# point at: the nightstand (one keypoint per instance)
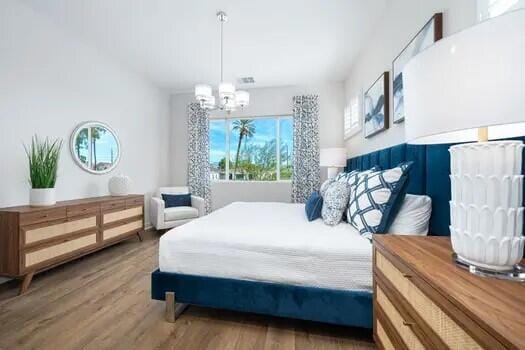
(422, 300)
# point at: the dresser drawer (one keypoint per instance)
(122, 230)
(434, 317)
(133, 202)
(82, 209)
(403, 327)
(383, 338)
(43, 232)
(43, 215)
(52, 253)
(121, 215)
(113, 205)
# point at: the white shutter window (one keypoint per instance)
(352, 121)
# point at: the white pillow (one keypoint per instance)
(413, 217)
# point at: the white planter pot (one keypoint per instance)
(42, 197)
(486, 213)
(119, 185)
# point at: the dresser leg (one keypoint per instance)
(26, 282)
(139, 236)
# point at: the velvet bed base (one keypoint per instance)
(348, 308)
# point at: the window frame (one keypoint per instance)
(227, 129)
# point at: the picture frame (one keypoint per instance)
(430, 33)
(376, 106)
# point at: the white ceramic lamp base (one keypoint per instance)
(486, 213)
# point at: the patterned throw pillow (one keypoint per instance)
(352, 177)
(376, 198)
(335, 201)
(324, 186)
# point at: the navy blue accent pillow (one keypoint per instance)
(313, 206)
(177, 200)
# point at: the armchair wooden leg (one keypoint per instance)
(173, 310)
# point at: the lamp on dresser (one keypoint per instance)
(462, 85)
(333, 159)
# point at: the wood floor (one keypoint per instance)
(102, 302)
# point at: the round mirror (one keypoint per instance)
(95, 147)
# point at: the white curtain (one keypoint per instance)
(199, 153)
(306, 171)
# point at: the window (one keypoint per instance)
(352, 123)
(492, 8)
(251, 149)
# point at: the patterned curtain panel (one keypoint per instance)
(199, 153)
(306, 172)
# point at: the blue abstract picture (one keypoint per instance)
(376, 106)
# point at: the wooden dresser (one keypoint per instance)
(422, 300)
(33, 239)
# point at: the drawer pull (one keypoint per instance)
(407, 275)
(408, 324)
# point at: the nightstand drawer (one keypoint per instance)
(385, 341)
(402, 326)
(448, 331)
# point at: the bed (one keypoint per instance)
(270, 261)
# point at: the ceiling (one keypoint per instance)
(175, 43)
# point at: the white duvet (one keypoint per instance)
(270, 242)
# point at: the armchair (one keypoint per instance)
(163, 218)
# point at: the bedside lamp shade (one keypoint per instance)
(474, 79)
(332, 158)
(471, 79)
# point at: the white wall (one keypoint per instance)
(50, 82)
(402, 20)
(264, 101)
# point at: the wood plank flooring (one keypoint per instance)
(102, 301)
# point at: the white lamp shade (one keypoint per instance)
(202, 92)
(226, 90)
(242, 98)
(471, 79)
(333, 157)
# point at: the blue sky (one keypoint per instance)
(265, 131)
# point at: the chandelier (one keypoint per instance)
(229, 99)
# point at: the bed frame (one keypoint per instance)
(429, 175)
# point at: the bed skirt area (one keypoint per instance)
(349, 308)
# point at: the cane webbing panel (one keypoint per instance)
(448, 330)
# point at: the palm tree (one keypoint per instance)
(80, 143)
(246, 130)
(96, 133)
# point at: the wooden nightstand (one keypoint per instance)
(422, 300)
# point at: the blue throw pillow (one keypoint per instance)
(376, 198)
(177, 200)
(313, 206)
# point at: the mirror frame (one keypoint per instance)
(72, 146)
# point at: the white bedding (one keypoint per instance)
(270, 242)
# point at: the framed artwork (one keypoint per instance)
(376, 106)
(431, 32)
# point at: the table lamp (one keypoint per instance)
(472, 80)
(333, 158)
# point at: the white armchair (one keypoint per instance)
(164, 218)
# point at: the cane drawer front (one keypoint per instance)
(50, 253)
(115, 216)
(383, 338)
(42, 232)
(122, 230)
(450, 333)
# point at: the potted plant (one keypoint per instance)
(43, 159)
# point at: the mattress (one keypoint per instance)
(269, 242)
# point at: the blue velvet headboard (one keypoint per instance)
(429, 175)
